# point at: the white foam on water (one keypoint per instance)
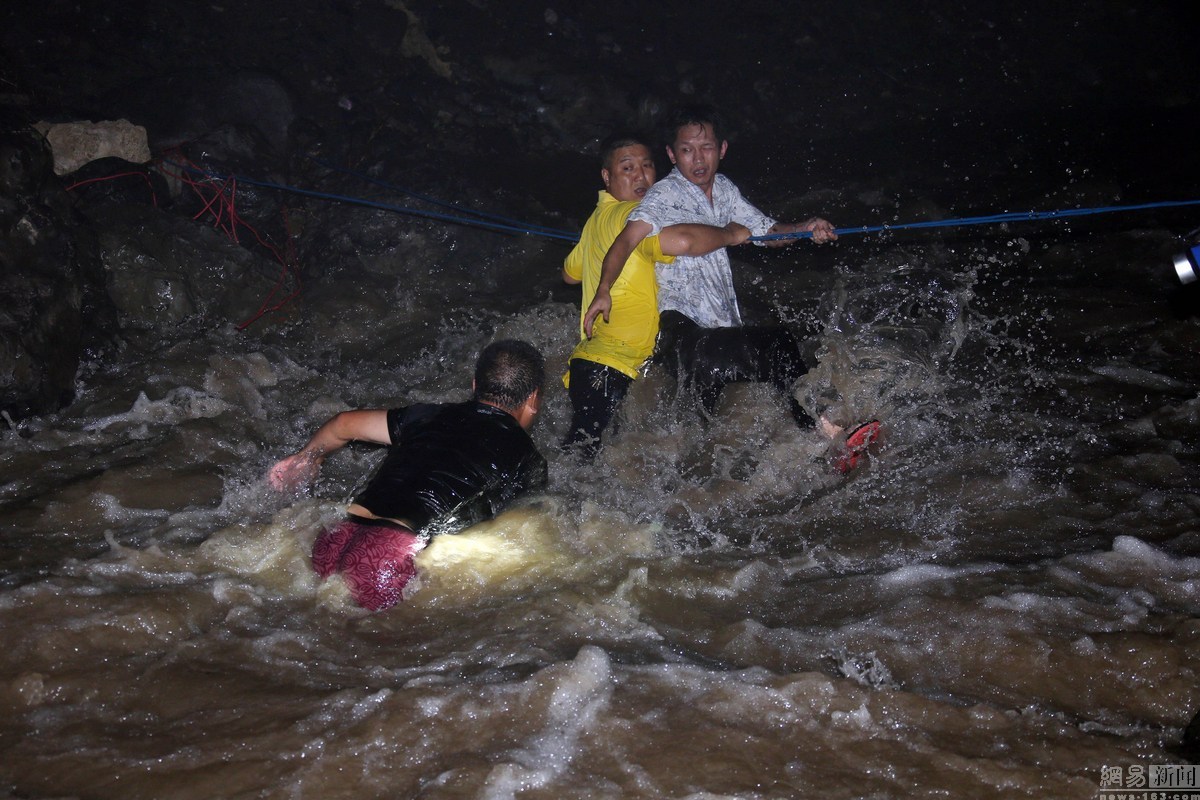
(916, 575)
(180, 404)
(274, 555)
(528, 547)
(579, 691)
(1138, 376)
(1141, 576)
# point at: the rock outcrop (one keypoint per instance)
(50, 279)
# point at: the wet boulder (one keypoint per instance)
(50, 279)
(164, 271)
(218, 112)
(115, 181)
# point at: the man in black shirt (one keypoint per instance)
(448, 466)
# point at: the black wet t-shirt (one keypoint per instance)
(452, 465)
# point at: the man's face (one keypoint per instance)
(697, 153)
(630, 172)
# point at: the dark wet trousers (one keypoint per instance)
(707, 359)
(596, 392)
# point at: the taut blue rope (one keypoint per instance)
(538, 229)
(990, 219)
(505, 225)
(415, 212)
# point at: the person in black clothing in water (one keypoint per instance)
(448, 466)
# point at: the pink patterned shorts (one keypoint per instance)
(376, 560)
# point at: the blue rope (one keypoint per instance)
(537, 229)
(416, 212)
(989, 219)
(505, 225)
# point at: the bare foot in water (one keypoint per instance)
(828, 429)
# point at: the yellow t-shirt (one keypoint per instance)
(628, 340)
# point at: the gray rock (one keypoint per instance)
(77, 143)
(164, 271)
(49, 279)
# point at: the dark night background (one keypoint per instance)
(865, 112)
(842, 92)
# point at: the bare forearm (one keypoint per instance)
(689, 239)
(346, 427)
(327, 439)
(620, 251)
(614, 262)
(822, 231)
(610, 269)
(301, 468)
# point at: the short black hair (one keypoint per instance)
(693, 114)
(616, 141)
(507, 372)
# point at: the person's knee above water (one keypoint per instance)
(448, 466)
(610, 354)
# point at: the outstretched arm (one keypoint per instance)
(301, 468)
(683, 239)
(614, 261)
(693, 239)
(822, 231)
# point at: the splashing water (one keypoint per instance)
(1000, 603)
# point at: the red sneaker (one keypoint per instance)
(854, 451)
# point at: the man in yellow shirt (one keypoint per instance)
(609, 357)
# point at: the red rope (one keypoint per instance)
(143, 175)
(219, 199)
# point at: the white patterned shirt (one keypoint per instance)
(699, 286)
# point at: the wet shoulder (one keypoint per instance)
(481, 415)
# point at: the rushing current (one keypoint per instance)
(1002, 602)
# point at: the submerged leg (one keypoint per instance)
(596, 392)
